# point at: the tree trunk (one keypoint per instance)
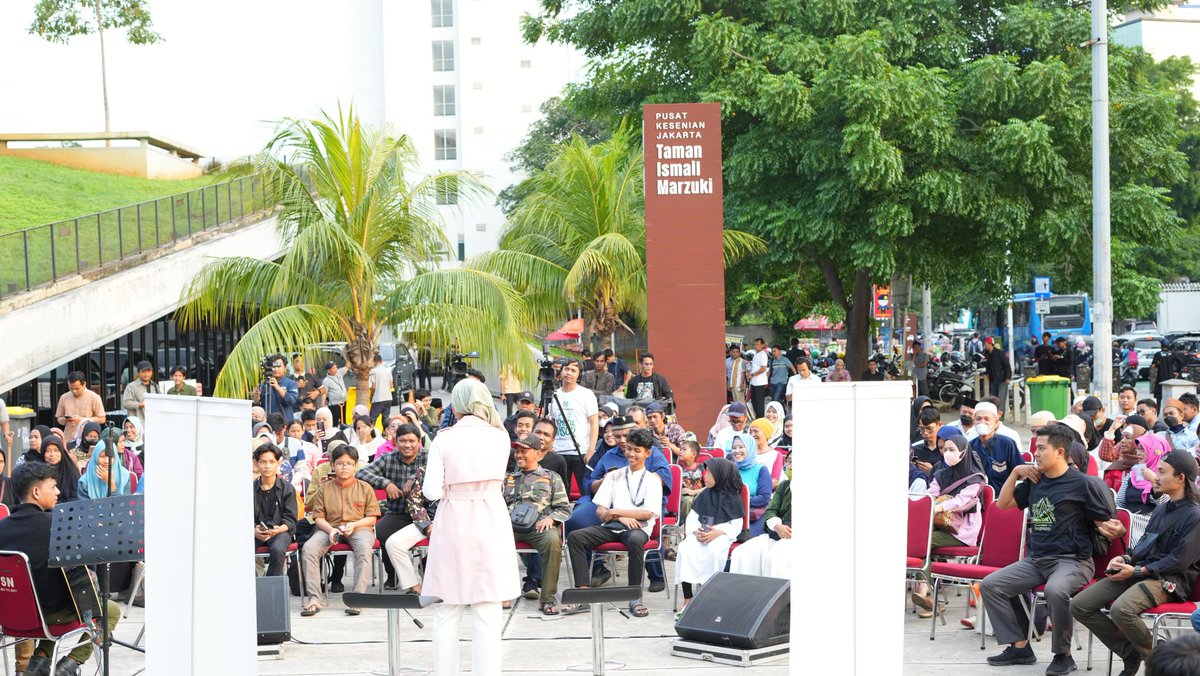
(103, 74)
(360, 352)
(858, 324)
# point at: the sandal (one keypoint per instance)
(638, 609)
(925, 602)
(549, 609)
(354, 611)
(575, 608)
(310, 610)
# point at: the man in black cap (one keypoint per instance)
(1161, 568)
(133, 399)
(533, 484)
(525, 402)
(1094, 408)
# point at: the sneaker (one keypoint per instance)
(657, 585)
(1061, 665)
(1013, 655)
(601, 576)
(336, 587)
(1132, 664)
(530, 590)
(67, 667)
(968, 622)
(39, 665)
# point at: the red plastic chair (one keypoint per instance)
(1002, 543)
(986, 498)
(344, 549)
(714, 452)
(653, 549)
(670, 520)
(920, 538)
(777, 468)
(21, 615)
(3, 510)
(1027, 457)
(702, 458)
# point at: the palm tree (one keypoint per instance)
(579, 238)
(362, 245)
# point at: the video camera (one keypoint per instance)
(458, 367)
(546, 372)
(267, 365)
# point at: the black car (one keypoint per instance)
(1189, 346)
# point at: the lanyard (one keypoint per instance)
(632, 494)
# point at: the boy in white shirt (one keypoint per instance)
(628, 503)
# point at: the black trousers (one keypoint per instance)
(758, 399)
(380, 408)
(277, 552)
(576, 468)
(422, 376)
(386, 527)
(585, 539)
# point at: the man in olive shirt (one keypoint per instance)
(134, 396)
(534, 485)
(178, 375)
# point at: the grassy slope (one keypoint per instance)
(35, 193)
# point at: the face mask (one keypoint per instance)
(984, 429)
(1171, 421)
(788, 473)
(966, 420)
(951, 458)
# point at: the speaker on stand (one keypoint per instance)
(736, 619)
(274, 620)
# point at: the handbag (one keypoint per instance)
(941, 520)
(524, 517)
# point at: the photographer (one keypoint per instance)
(277, 393)
(577, 419)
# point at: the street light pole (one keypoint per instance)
(1101, 235)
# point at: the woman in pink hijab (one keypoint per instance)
(472, 561)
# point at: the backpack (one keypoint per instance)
(1100, 543)
(1133, 358)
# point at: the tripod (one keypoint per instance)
(100, 532)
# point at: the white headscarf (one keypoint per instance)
(471, 397)
(778, 427)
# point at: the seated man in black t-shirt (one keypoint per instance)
(1063, 506)
(27, 530)
(647, 384)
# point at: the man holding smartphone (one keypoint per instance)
(78, 405)
(1161, 568)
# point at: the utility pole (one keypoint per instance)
(926, 316)
(1101, 236)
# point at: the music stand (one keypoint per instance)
(99, 532)
(394, 604)
(594, 596)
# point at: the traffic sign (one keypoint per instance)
(1041, 307)
(1041, 287)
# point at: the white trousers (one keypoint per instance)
(763, 556)
(487, 622)
(399, 550)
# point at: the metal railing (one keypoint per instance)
(44, 254)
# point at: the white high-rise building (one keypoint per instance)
(460, 80)
(1173, 30)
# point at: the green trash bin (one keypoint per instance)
(1050, 393)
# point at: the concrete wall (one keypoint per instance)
(139, 161)
(107, 308)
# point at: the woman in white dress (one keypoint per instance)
(715, 520)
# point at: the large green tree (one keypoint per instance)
(578, 238)
(363, 242)
(60, 20)
(863, 138)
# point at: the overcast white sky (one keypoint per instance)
(224, 69)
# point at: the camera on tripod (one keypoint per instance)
(268, 367)
(458, 367)
(546, 372)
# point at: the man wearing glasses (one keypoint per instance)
(738, 415)
(278, 393)
(1148, 409)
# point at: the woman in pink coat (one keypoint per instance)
(472, 561)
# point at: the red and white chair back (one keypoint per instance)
(21, 614)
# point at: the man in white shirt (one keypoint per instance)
(628, 503)
(381, 390)
(804, 376)
(578, 422)
(758, 377)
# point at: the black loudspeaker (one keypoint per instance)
(741, 611)
(274, 620)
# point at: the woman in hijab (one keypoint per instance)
(106, 476)
(712, 524)
(135, 441)
(54, 454)
(721, 423)
(471, 557)
(914, 434)
(785, 441)
(775, 415)
(770, 554)
(1140, 484)
(757, 479)
(956, 490)
(761, 430)
(33, 450)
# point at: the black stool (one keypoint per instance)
(594, 596)
(394, 603)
